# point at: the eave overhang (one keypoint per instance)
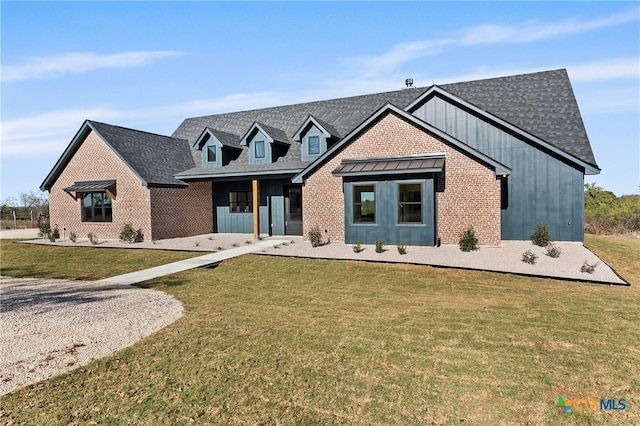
(240, 175)
(589, 169)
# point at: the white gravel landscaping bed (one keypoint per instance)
(48, 327)
(507, 258)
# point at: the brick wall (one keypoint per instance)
(158, 212)
(177, 212)
(471, 195)
(94, 160)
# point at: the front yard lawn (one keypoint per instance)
(270, 340)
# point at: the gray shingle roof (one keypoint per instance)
(345, 114)
(276, 134)
(155, 158)
(226, 139)
(541, 103)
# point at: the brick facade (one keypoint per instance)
(158, 212)
(177, 212)
(469, 195)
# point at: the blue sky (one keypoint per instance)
(149, 65)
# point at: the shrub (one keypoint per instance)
(93, 239)
(541, 235)
(73, 236)
(379, 246)
(127, 233)
(357, 248)
(315, 237)
(468, 240)
(54, 234)
(589, 269)
(402, 249)
(553, 251)
(529, 257)
(44, 228)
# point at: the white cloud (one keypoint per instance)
(610, 69)
(486, 34)
(531, 31)
(50, 132)
(79, 62)
(47, 133)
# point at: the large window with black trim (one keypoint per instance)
(364, 203)
(240, 202)
(410, 203)
(97, 207)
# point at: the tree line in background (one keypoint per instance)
(604, 213)
(25, 211)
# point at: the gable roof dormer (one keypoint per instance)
(272, 135)
(327, 129)
(225, 139)
(266, 144)
(218, 147)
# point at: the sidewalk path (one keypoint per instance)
(195, 262)
(22, 234)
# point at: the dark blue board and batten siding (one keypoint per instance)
(271, 208)
(541, 187)
(386, 226)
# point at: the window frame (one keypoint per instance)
(401, 203)
(212, 149)
(235, 207)
(255, 149)
(317, 138)
(355, 204)
(106, 208)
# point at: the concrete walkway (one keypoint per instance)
(19, 234)
(183, 265)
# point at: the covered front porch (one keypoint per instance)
(267, 206)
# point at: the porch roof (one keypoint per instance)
(91, 186)
(390, 165)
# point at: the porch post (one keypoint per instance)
(256, 208)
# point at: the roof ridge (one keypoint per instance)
(130, 129)
(419, 91)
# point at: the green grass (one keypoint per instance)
(82, 263)
(269, 340)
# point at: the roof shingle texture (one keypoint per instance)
(155, 158)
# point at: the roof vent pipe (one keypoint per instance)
(409, 82)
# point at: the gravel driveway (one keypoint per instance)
(52, 326)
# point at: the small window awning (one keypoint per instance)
(391, 165)
(108, 186)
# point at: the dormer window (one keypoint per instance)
(259, 149)
(212, 154)
(266, 144)
(314, 145)
(218, 148)
(316, 137)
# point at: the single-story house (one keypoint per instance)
(417, 166)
